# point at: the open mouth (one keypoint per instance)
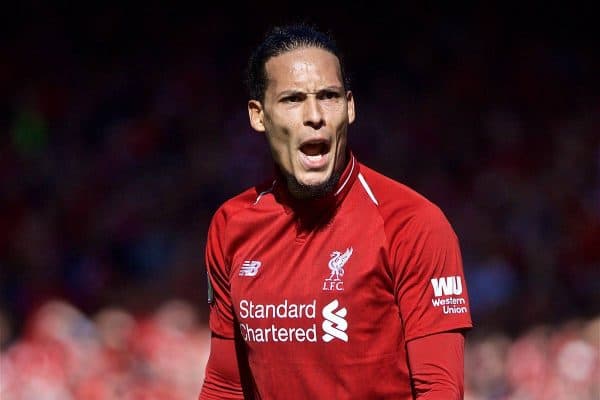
(314, 154)
(315, 148)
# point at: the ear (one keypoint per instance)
(350, 101)
(256, 115)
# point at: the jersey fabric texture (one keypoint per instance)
(326, 293)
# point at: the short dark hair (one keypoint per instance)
(282, 39)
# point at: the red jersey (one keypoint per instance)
(326, 293)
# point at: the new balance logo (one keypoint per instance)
(250, 268)
(446, 286)
(334, 325)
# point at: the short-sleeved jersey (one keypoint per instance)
(326, 293)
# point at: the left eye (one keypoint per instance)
(329, 95)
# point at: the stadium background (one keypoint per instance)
(124, 126)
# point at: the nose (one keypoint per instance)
(313, 114)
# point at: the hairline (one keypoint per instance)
(275, 43)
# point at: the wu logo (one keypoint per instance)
(335, 324)
(250, 268)
(446, 286)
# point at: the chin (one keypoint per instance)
(312, 182)
(313, 186)
(313, 179)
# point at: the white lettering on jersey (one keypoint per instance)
(250, 268)
(336, 318)
(447, 286)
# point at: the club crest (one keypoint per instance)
(336, 267)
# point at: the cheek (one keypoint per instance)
(281, 132)
(280, 148)
(337, 116)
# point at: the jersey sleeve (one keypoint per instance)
(437, 366)
(221, 316)
(222, 375)
(428, 275)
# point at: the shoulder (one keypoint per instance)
(244, 202)
(399, 205)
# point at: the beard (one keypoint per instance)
(311, 192)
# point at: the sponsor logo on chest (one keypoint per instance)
(334, 325)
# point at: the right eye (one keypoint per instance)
(294, 98)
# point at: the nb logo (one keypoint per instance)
(334, 325)
(447, 286)
(250, 268)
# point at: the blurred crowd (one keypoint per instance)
(560, 362)
(65, 355)
(121, 133)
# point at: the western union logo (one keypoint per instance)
(447, 286)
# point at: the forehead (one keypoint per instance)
(306, 69)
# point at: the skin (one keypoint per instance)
(305, 116)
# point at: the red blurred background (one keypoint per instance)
(123, 127)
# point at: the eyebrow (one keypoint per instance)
(296, 91)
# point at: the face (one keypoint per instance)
(305, 116)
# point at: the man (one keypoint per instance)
(330, 281)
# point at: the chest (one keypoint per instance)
(276, 262)
(330, 286)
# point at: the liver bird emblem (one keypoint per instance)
(336, 264)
